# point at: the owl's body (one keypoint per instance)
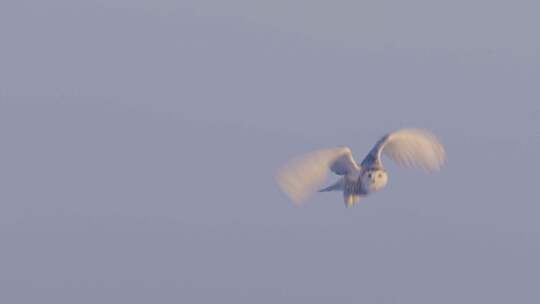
(409, 147)
(358, 184)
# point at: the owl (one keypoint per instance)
(304, 176)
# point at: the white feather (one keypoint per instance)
(413, 148)
(302, 176)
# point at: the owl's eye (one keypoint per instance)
(369, 175)
(380, 175)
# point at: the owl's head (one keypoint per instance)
(374, 179)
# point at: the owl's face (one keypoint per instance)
(374, 180)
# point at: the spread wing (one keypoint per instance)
(304, 175)
(409, 148)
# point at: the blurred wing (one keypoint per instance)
(304, 175)
(409, 148)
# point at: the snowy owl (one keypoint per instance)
(408, 147)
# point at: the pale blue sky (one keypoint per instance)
(139, 139)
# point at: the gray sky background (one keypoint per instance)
(139, 139)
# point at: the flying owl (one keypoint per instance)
(303, 176)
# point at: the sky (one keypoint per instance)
(139, 140)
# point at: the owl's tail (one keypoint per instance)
(338, 186)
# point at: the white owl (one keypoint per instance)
(408, 147)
